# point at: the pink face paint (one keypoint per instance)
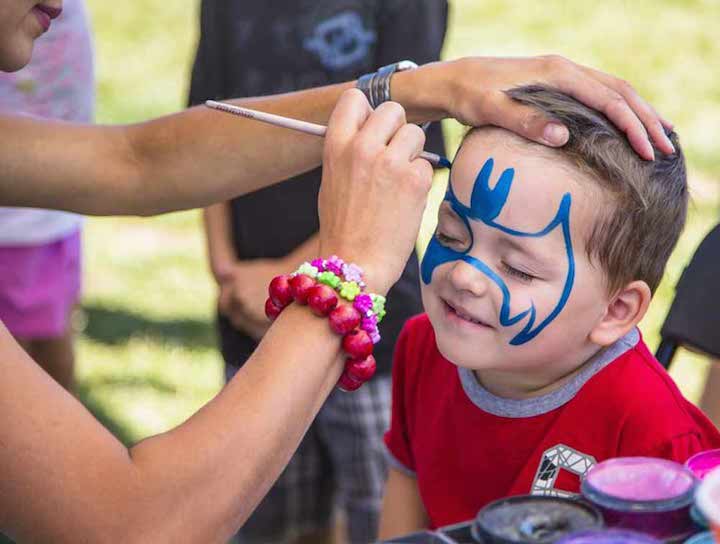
(530, 519)
(703, 463)
(644, 494)
(708, 500)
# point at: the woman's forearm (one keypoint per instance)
(190, 159)
(196, 483)
(245, 436)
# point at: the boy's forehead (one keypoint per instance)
(540, 178)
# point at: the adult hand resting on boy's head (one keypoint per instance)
(371, 174)
(475, 96)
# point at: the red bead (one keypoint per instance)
(322, 299)
(344, 318)
(271, 310)
(279, 291)
(357, 344)
(362, 370)
(300, 286)
(347, 383)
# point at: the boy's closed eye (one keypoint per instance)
(451, 231)
(517, 274)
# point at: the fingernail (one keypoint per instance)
(669, 141)
(556, 134)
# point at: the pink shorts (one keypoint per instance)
(39, 285)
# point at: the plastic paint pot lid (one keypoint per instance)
(701, 538)
(708, 497)
(639, 484)
(529, 519)
(697, 516)
(609, 536)
(703, 463)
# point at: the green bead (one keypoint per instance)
(308, 270)
(349, 290)
(378, 305)
(329, 278)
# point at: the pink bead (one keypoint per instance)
(357, 344)
(322, 299)
(362, 370)
(279, 291)
(272, 311)
(347, 383)
(300, 286)
(363, 303)
(319, 264)
(335, 265)
(343, 319)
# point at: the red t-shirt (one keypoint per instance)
(467, 447)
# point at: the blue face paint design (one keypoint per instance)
(485, 205)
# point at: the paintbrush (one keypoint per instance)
(303, 126)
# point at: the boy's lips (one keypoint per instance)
(457, 312)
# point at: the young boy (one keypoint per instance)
(528, 368)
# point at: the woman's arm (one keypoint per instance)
(198, 157)
(63, 478)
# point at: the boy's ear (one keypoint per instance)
(624, 311)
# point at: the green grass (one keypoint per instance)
(146, 350)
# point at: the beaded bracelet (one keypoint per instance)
(346, 280)
(315, 284)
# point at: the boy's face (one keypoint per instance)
(507, 284)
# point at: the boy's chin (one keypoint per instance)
(466, 360)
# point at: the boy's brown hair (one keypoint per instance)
(635, 233)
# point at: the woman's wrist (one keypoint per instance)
(427, 93)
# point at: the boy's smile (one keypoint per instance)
(499, 275)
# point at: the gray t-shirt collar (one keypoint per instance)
(536, 406)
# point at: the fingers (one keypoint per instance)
(348, 117)
(654, 124)
(603, 93)
(503, 111)
(407, 143)
(382, 124)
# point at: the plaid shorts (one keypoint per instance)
(340, 464)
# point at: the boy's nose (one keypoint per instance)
(465, 277)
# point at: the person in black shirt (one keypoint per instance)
(259, 48)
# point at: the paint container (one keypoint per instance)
(708, 500)
(703, 463)
(458, 533)
(421, 537)
(644, 494)
(529, 519)
(701, 538)
(609, 536)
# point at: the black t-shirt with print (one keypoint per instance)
(274, 46)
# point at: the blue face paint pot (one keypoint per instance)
(644, 494)
(485, 206)
(531, 519)
(609, 536)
